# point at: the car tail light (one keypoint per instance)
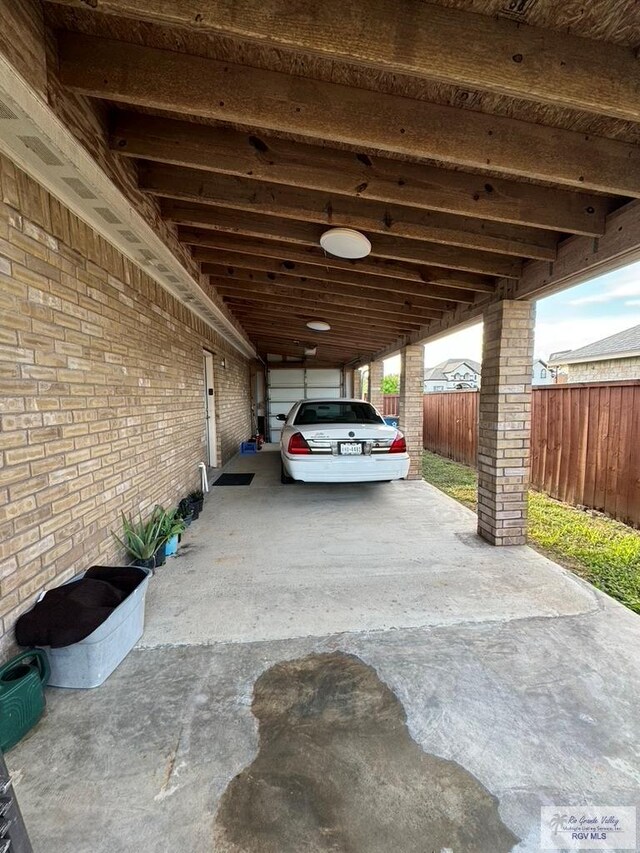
(298, 444)
(398, 445)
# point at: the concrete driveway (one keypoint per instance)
(342, 668)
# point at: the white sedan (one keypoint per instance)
(340, 441)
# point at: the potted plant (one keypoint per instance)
(185, 511)
(171, 528)
(196, 499)
(141, 539)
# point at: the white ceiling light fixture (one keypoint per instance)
(318, 325)
(345, 243)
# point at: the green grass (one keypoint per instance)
(603, 551)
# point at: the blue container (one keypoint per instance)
(171, 546)
(248, 447)
(392, 420)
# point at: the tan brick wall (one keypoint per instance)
(410, 405)
(357, 385)
(376, 375)
(504, 428)
(101, 395)
(611, 370)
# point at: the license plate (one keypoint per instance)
(350, 448)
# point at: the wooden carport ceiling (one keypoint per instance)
(466, 146)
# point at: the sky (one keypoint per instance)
(567, 320)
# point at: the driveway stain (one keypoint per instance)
(338, 772)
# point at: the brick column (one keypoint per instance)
(357, 384)
(505, 422)
(410, 406)
(376, 375)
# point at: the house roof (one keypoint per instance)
(621, 345)
(439, 372)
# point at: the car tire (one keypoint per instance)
(285, 479)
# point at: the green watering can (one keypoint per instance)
(22, 701)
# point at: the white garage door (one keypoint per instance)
(286, 385)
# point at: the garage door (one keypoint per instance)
(286, 385)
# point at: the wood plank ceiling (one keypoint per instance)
(465, 138)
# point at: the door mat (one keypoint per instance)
(234, 480)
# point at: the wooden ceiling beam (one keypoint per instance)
(308, 234)
(356, 175)
(325, 310)
(423, 40)
(230, 191)
(258, 98)
(429, 296)
(352, 343)
(341, 322)
(220, 277)
(256, 313)
(286, 346)
(289, 257)
(365, 307)
(297, 357)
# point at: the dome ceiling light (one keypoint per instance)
(318, 325)
(345, 243)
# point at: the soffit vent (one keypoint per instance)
(130, 236)
(6, 113)
(108, 215)
(79, 188)
(35, 138)
(40, 150)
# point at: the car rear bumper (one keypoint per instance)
(340, 469)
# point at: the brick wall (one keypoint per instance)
(410, 413)
(101, 395)
(504, 422)
(611, 370)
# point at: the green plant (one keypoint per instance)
(141, 539)
(184, 508)
(196, 496)
(171, 524)
(391, 384)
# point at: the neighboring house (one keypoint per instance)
(459, 374)
(453, 374)
(542, 374)
(615, 357)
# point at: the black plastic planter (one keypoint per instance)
(196, 507)
(161, 555)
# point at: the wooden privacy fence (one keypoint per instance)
(450, 424)
(585, 441)
(390, 405)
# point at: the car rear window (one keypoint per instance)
(337, 413)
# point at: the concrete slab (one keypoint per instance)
(268, 562)
(540, 707)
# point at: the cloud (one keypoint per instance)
(617, 285)
(552, 336)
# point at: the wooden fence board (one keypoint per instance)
(633, 496)
(390, 405)
(585, 441)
